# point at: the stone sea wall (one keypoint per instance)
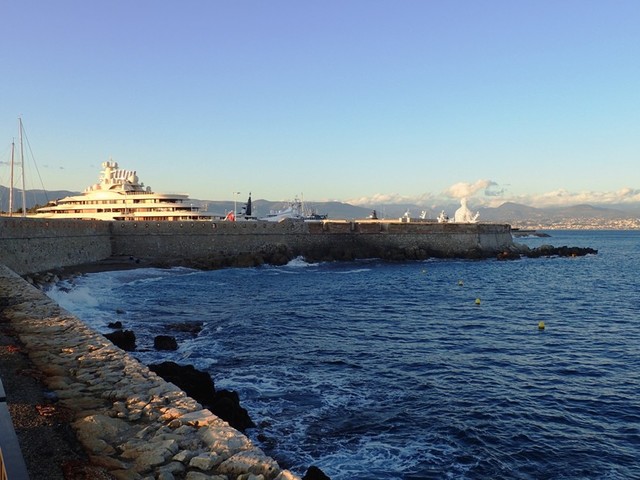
(130, 421)
(36, 245)
(249, 243)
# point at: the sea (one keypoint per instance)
(433, 369)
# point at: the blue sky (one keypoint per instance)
(530, 101)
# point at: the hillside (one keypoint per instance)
(32, 197)
(515, 214)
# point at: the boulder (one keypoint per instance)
(124, 339)
(314, 473)
(193, 328)
(226, 405)
(165, 342)
(507, 255)
(199, 386)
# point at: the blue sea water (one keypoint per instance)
(378, 370)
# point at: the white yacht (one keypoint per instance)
(294, 210)
(120, 196)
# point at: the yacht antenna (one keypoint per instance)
(13, 149)
(24, 201)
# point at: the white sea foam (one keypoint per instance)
(299, 262)
(352, 271)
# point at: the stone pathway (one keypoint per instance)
(129, 420)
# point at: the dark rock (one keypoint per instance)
(226, 405)
(194, 328)
(126, 340)
(165, 342)
(115, 325)
(199, 386)
(507, 255)
(314, 473)
(551, 251)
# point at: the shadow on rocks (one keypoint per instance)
(199, 386)
(314, 473)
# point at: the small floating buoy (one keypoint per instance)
(477, 301)
(541, 325)
(460, 283)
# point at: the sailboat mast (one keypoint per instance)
(24, 201)
(13, 149)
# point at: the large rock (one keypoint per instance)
(165, 342)
(546, 251)
(199, 386)
(550, 251)
(314, 473)
(124, 339)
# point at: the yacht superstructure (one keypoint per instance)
(119, 195)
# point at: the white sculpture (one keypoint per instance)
(464, 215)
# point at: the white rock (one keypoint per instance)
(253, 461)
(199, 418)
(204, 461)
(250, 476)
(286, 475)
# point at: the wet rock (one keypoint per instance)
(194, 328)
(507, 255)
(314, 473)
(115, 325)
(165, 342)
(564, 251)
(226, 405)
(199, 386)
(124, 339)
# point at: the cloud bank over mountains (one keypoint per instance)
(489, 193)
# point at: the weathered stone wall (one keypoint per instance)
(187, 240)
(30, 245)
(35, 245)
(174, 240)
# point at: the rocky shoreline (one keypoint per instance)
(284, 255)
(111, 417)
(131, 423)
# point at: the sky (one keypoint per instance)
(362, 101)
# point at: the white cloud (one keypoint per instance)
(465, 189)
(564, 198)
(490, 194)
(392, 199)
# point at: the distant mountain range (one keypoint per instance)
(577, 216)
(32, 197)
